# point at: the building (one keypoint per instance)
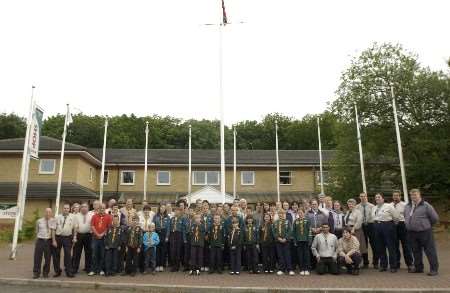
(167, 173)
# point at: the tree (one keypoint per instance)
(12, 126)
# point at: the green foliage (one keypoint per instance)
(27, 233)
(12, 126)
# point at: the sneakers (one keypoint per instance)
(231, 273)
(302, 273)
(307, 273)
(433, 273)
(102, 273)
(91, 274)
(280, 273)
(237, 273)
(197, 273)
(291, 273)
(206, 269)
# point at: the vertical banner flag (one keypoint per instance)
(35, 132)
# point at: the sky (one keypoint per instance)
(146, 57)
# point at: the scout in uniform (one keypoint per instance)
(206, 221)
(198, 233)
(134, 243)
(216, 237)
(99, 225)
(162, 226)
(282, 234)
(145, 219)
(44, 229)
(113, 241)
(235, 241)
(266, 243)
(399, 205)
(177, 237)
(302, 238)
(365, 208)
(128, 211)
(64, 236)
(150, 241)
(251, 244)
(187, 219)
(83, 239)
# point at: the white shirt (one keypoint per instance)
(44, 227)
(325, 245)
(400, 207)
(385, 213)
(65, 225)
(366, 210)
(144, 223)
(83, 222)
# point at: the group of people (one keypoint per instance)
(316, 234)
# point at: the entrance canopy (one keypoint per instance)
(210, 194)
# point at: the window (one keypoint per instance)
(325, 177)
(247, 177)
(91, 174)
(106, 177)
(47, 166)
(127, 177)
(205, 178)
(285, 177)
(163, 178)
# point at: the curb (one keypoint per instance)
(92, 286)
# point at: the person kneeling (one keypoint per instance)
(324, 248)
(348, 252)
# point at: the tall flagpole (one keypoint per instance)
(61, 162)
(399, 146)
(22, 180)
(278, 161)
(234, 162)
(190, 164)
(222, 126)
(146, 161)
(361, 158)
(320, 156)
(102, 174)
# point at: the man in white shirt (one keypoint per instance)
(324, 249)
(399, 205)
(44, 227)
(82, 239)
(366, 208)
(65, 225)
(385, 217)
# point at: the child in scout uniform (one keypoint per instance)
(267, 244)
(198, 233)
(162, 226)
(134, 243)
(188, 218)
(302, 237)
(206, 221)
(282, 235)
(177, 237)
(113, 241)
(235, 240)
(150, 241)
(251, 244)
(216, 236)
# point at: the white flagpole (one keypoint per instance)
(278, 161)
(190, 164)
(234, 162)
(102, 174)
(361, 158)
(146, 161)
(222, 126)
(399, 146)
(23, 179)
(61, 162)
(320, 156)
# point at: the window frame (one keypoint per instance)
(290, 177)
(162, 183)
(253, 178)
(91, 174)
(134, 177)
(107, 177)
(41, 172)
(325, 177)
(205, 178)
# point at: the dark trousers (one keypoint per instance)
(385, 239)
(206, 254)
(121, 258)
(42, 249)
(98, 254)
(215, 258)
(83, 242)
(268, 257)
(402, 238)
(186, 250)
(251, 256)
(235, 259)
(356, 258)
(161, 250)
(420, 241)
(369, 236)
(112, 260)
(294, 256)
(176, 242)
(64, 242)
(226, 254)
(196, 259)
(326, 265)
(141, 259)
(150, 259)
(132, 260)
(284, 256)
(304, 255)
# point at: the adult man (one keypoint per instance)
(82, 239)
(324, 248)
(128, 211)
(385, 217)
(348, 252)
(44, 227)
(64, 233)
(366, 208)
(99, 225)
(321, 203)
(316, 217)
(399, 205)
(420, 216)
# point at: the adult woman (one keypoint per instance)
(354, 219)
(338, 219)
(162, 224)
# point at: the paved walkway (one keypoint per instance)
(21, 271)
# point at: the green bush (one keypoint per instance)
(27, 232)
